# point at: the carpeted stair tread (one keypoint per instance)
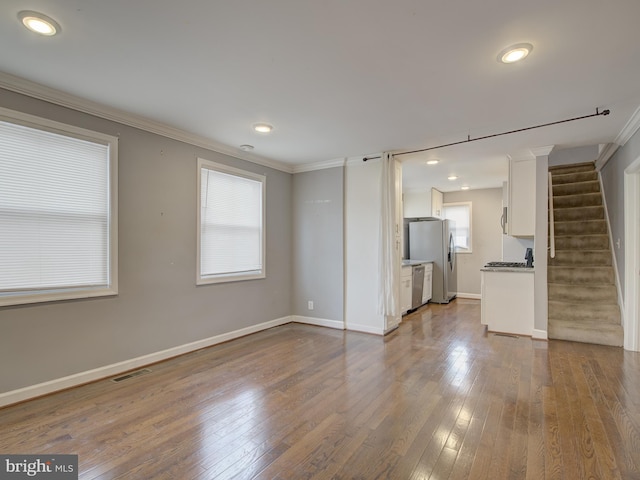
(560, 178)
(587, 294)
(575, 188)
(587, 242)
(578, 213)
(579, 200)
(586, 332)
(581, 258)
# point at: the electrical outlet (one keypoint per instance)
(310, 305)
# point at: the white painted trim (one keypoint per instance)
(630, 128)
(474, 296)
(605, 154)
(51, 95)
(539, 334)
(26, 393)
(542, 151)
(309, 167)
(614, 262)
(320, 322)
(355, 327)
(632, 256)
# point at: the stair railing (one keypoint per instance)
(552, 233)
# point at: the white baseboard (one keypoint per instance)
(26, 393)
(320, 322)
(474, 296)
(539, 334)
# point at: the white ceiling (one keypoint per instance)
(343, 78)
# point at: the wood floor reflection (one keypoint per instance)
(438, 398)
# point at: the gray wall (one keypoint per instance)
(318, 246)
(486, 209)
(613, 184)
(159, 305)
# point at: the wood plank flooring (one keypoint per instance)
(439, 398)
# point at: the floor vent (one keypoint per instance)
(506, 335)
(129, 375)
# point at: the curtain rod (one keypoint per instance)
(469, 139)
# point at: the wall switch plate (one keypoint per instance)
(310, 305)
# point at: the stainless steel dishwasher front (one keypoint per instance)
(416, 291)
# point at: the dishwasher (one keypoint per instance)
(418, 281)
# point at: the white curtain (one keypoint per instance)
(389, 253)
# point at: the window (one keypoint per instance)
(58, 224)
(460, 213)
(230, 224)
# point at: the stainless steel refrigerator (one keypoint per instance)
(433, 241)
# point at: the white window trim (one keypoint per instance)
(38, 296)
(469, 204)
(233, 277)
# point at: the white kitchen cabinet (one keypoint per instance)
(437, 200)
(406, 286)
(427, 286)
(522, 198)
(423, 204)
(507, 301)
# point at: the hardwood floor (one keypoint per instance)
(438, 398)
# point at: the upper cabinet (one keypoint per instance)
(522, 198)
(423, 204)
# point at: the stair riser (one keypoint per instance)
(577, 258)
(589, 242)
(580, 276)
(583, 200)
(585, 294)
(588, 227)
(579, 168)
(576, 188)
(578, 213)
(584, 313)
(611, 337)
(561, 179)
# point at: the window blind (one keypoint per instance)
(54, 211)
(231, 224)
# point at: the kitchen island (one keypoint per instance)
(507, 300)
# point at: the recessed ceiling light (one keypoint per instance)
(432, 162)
(515, 53)
(452, 177)
(262, 127)
(464, 187)
(246, 147)
(39, 23)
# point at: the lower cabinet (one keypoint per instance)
(405, 289)
(507, 301)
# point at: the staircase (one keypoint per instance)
(583, 300)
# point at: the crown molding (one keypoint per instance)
(51, 95)
(542, 151)
(309, 167)
(630, 128)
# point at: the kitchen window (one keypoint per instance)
(58, 211)
(460, 213)
(230, 224)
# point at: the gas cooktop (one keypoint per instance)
(507, 264)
